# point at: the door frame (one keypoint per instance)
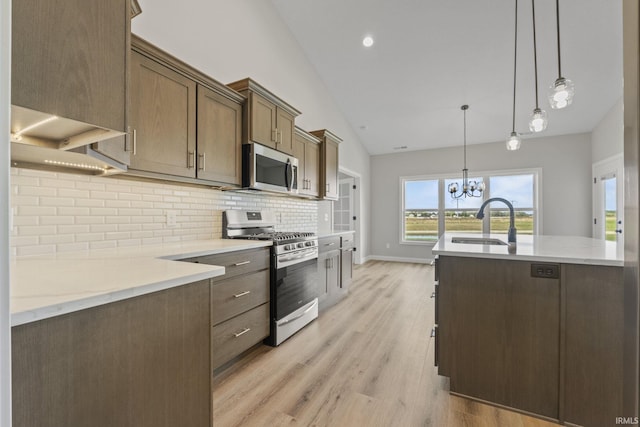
(358, 257)
(611, 166)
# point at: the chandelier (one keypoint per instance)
(514, 140)
(562, 90)
(469, 188)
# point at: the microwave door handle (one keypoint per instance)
(288, 175)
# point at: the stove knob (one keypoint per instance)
(310, 243)
(287, 247)
(301, 245)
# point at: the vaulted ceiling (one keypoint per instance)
(430, 57)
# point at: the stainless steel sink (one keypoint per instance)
(478, 241)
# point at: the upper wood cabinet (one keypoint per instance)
(163, 118)
(69, 58)
(219, 137)
(185, 125)
(268, 119)
(306, 149)
(329, 162)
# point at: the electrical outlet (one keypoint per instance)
(388, 246)
(172, 219)
(326, 217)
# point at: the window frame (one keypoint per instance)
(485, 176)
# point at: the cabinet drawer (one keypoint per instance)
(238, 334)
(347, 242)
(236, 263)
(236, 295)
(328, 244)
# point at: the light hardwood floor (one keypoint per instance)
(367, 361)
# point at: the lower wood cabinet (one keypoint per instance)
(139, 362)
(239, 302)
(329, 290)
(594, 344)
(548, 346)
(500, 327)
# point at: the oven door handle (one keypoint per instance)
(315, 302)
(311, 254)
(288, 175)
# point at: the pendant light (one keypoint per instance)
(538, 121)
(562, 90)
(514, 141)
(469, 188)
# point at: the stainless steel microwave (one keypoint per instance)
(266, 169)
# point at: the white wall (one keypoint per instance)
(231, 40)
(607, 138)
(565, 188)
(5, 322)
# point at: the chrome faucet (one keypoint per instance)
(511, 238)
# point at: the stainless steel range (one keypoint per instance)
(294, 269)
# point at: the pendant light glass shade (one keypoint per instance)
(561, 93)
(538, 121)
(513, 142)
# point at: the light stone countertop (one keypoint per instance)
(51, 285)
(559, 249)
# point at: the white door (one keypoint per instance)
(608, 200)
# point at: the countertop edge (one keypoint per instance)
(100, 295)
(59, 309)
(533, 258)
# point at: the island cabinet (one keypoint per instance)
(593, 361)
(329, 161)
(239, 302)
(269, 120)
(499, 333)
(185, 126)
(306, 149)
(543, 338)
(69, 58)
(143, 361)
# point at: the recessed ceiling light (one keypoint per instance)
(367, 41)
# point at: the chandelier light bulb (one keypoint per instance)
(513, 142)
(561, 93)
(538, 121)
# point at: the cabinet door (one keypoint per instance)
(346, 268)
(311, 165)
(262, 128)
(331, 170)
(219, 138)
(163, 108)
(69, 58)
(140, 362)
(594, 344)
(323, 289)
(299, 149)
(499, 333)
(285, 125)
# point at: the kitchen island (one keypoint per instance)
(121, 337)
(538, 330)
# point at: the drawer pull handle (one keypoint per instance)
(329, 244)
(241, 294)
(242, 332)
(237, 264)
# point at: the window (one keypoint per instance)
(428, 209)
(420, 211)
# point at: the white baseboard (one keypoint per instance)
(399, 259)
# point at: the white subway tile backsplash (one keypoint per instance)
(57, 212)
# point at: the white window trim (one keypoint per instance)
(537, 199)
